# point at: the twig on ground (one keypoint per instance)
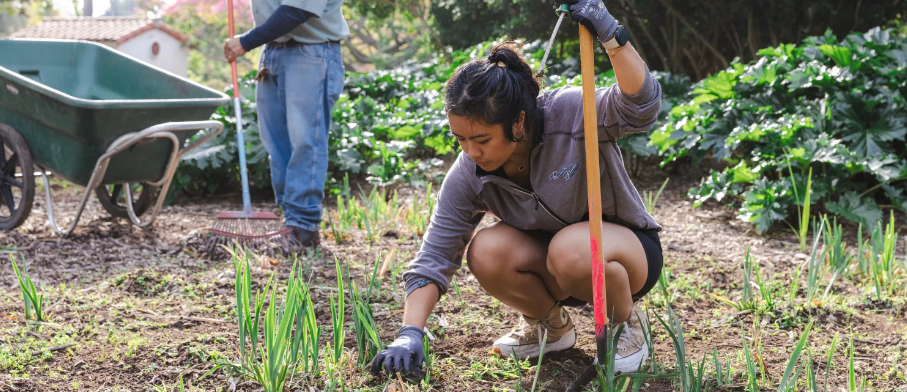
(52, 349)
(42, 323)
(37, 335)
(188, 318)
(387, 261)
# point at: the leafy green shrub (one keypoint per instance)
(834, 106)
(388, 126)
(213, 168)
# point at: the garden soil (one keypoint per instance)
(147, 308)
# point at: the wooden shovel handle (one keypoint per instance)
(593, 179)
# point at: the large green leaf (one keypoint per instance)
(856, 209)
(840, 54)
(766, 203)
(742, 173)
(720, 86)
(897, 196)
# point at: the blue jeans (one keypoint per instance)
(294, 117)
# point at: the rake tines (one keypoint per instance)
(263, 236)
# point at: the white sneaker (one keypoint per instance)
(632, 350)
(524, 341)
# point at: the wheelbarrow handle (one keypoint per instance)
(160, 131)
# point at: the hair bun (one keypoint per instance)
(496, 58)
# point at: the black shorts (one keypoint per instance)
(651, 244)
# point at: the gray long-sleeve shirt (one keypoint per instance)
(557, 175)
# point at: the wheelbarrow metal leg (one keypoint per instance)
(122, 143)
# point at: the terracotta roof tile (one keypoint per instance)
(115, 28)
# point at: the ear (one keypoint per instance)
(519, 129)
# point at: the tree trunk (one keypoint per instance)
(88, 9)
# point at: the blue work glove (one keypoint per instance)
(404, 355)
(596, 18)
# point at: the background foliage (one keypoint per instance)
(693, 38)
(205, 23)
(816, 98)
(388, 126)
(836, 106)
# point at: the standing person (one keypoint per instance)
(300, 78)
(522, 160)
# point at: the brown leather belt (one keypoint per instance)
(293, 43)
(263, 73)
(281, 45)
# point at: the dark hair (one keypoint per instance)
(494, 90)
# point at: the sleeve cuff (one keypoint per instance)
(420, 282)
(243, 42)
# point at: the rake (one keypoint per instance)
(262, 231)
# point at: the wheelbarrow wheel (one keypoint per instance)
(113, 198)
(17, 179)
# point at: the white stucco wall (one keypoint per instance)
(173, 55)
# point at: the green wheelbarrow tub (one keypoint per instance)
(71, 99)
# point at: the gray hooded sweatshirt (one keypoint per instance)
(557, 175)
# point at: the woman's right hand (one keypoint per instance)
(404, 355)
(595, 16)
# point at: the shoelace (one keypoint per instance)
(523, 325)
(625, 337)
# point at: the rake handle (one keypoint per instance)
(230, 33)
(237, 108)
(593, 184)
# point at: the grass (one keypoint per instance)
(886, 273)
(650, 199)
(611, 381)
(837, 256)
(796, 354)
(33, 301)
(337, 315)
(289, 328)
(751, 377)
(803, 213)
(830, 359)
(789, 379)
(368, 343)
(748, 300)
(377, 213)
(816, 267)
(419, 212)
(723, 372)
(538, 367)
(675, 332)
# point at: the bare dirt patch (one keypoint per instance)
(146, 308)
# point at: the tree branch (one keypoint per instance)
(360, 57)
(750, 32)
(694, 31)
(642, 24)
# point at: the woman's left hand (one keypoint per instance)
(596, 18)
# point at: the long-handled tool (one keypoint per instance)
(593, 184)
(258, 230)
